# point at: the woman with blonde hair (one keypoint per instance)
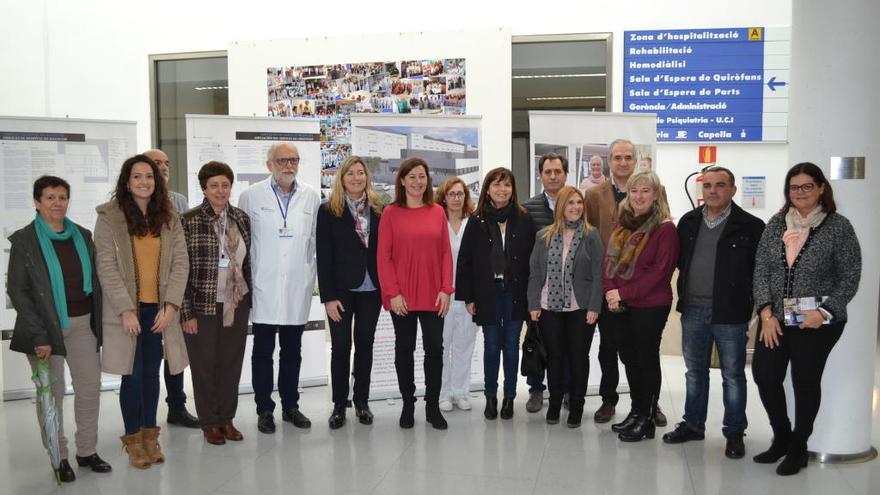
(565, 296)
(640, 258)
(348, 281)
(459, 331)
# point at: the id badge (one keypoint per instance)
(285, 233)
(224, 263)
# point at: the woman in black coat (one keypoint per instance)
(347, 236)
(492, 277)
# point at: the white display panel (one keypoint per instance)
(86, 153)
(243, 144)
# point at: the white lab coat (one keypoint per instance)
(283, 269)
(459, 335)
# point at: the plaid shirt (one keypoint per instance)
(203, 247)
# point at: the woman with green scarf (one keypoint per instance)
(55, 292)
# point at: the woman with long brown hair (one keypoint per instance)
(565, 295)
(143, 267)
(492, 277)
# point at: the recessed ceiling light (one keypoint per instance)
(550, 76)
(550, 98)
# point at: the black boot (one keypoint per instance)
(363, 413)
(575, 413)
(507, 409)
(337, 417)
(625, 424)
(553, 412)
(434, 416)
(795, 458)
(778, 448)
(643, 426)
(407, 414)
(491, 411)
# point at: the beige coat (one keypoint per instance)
(602, 209)
(116, 270)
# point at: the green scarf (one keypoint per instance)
(45, 236)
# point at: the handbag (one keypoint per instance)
(534, 354)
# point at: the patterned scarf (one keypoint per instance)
(628, 241)
(236, 287)
(358, 209)
(560, 272)
(798, 230)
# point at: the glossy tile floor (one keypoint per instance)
(520, 456)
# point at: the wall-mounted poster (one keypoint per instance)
(334, 92)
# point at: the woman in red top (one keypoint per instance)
(641, 255)
(415, 274)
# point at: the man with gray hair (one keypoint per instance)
(175, 396)
(284, 213)
(602, 204)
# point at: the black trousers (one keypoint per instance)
(608, 322)
(216, 354)
(567, 338)
(405, 345)
(363, 308)
(807, 351)
(638, 341)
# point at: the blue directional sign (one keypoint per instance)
(726, 84)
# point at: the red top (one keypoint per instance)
(650, 285)
(414, 256)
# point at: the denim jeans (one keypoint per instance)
(139, 391)
(697, 334)
(289, 362)
(502, 337)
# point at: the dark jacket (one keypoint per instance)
(29, 288)
(203, 248)
(829, 264)
(540, 211)
(734, 263)
(474, 280)
(343, 260)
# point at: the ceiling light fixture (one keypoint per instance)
(552, 76)
(551, 98)
(203, 88)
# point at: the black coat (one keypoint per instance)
(539, 210)
(734, 263)
(342, 257)
(474, 280)
(30, 290)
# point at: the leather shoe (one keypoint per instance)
(625, 424)
(95, 462)
(266, 422)
(683, 433)
(363, 413)
(182, 417)
(232, 433)
(65, 472)
(659, 417)
(506, 408)
(535, 402)
(337, 418)
(297, 418)
(735, 448)
(604, 413)
(214, 436)
(491, 411)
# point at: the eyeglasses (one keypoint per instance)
(809, 186)
(457, 194)
(286, 162)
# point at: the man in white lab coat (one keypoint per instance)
(283, 213)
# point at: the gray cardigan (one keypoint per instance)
(830, 264)
(587, 272)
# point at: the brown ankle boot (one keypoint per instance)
(151, 445)
(134, 445)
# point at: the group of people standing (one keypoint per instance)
(160, 282)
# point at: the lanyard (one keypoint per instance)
(284, 209)
(224, 218)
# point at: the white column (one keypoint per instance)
(835, 111)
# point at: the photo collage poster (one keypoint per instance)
(333, 92)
